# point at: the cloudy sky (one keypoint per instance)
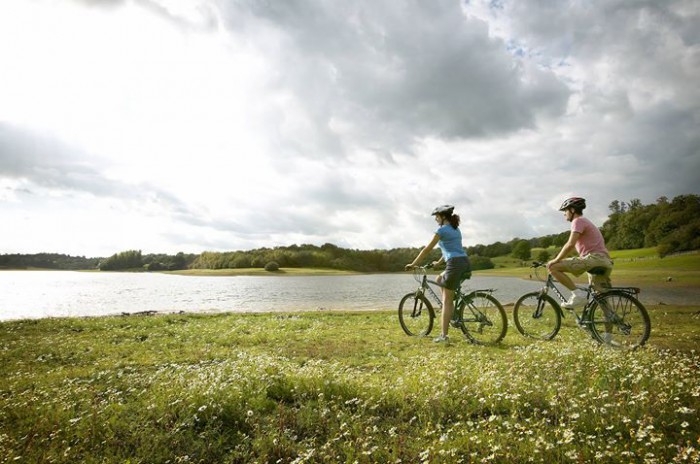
(174, 125)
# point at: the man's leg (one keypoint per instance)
(561, 276)
(560, 272)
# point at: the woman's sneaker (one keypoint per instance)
(575, 301)
(442, 339)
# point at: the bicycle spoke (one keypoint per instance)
(620, 320)
(415, 315)
(484, 319)
(537, 316)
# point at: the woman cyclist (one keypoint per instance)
(449, 238)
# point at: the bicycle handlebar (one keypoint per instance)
(422, 268)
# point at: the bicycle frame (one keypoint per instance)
(621, 315)
(478, 314)
(581, 320)
(591, 296)
(427, 284)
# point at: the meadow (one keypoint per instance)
(639, 267)
(344, 387)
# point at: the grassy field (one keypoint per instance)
(340, 387)
(632, 267)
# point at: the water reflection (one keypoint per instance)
(36, 294)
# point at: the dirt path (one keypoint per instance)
(668, 295)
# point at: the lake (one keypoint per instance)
(37, 294)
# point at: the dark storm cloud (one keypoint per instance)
(636, 68)
(389, 73)
(668, 140)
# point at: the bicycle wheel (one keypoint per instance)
(537, 316)
(416, 315)
(618, 319)
(483, 319)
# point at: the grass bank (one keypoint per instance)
(339, 387)
(632, 267)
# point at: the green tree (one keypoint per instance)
(131, 259)
(546, 241)
(272, 266)
(480, 262)
(521, 250)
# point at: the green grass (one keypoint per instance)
(339, 387)
(642, 267)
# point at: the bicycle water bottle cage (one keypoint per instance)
(597, 270)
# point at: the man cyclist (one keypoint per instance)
(590, 245)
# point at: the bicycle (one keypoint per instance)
(478, 314)
(614, 317)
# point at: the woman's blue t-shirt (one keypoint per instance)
(450, 242)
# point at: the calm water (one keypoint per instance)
(36, 294)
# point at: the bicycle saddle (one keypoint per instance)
(597, 270)
(466, 275)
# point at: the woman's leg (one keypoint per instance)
(448, 306)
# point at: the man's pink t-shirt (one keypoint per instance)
(590, 240)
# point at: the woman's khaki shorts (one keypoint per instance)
(578, 266)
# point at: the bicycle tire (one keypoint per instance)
(483, 319)
(626, 326)
(416, 315)
(537, 315)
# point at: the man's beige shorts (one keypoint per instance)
(578, 266)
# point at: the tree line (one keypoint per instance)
(47, 261)
(324, 256)
(669, 225)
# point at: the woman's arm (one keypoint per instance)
(424, 252)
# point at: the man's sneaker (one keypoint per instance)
(607, 338)
(575, 301)
(441, 339)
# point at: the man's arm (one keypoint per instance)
(568, 247)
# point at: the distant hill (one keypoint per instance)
(668, 225)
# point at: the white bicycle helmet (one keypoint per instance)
(444, 210)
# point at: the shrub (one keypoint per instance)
(272, 266)
(481, 262)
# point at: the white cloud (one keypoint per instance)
(169, 126)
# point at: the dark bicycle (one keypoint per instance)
(614, 317)
(478, 313)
